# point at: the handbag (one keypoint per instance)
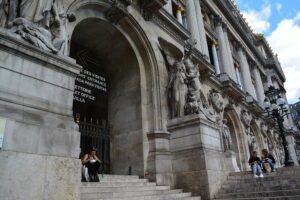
(267, 167)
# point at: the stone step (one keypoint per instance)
(109, 176)
(265, 179)
(116, 184)
(129, 188)
(272, 175)
(258, 188)
(108, 195)
(283, 170)
(176, 196)
(260, 194)
(122, 180)
(260, 182)
(122, 189)
(265, 198)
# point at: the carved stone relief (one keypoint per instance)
(246, 118)
(226, 136)
(184, 87)
(38, 22)
(215, 100)
(118, 10)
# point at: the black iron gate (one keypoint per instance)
(96, 135)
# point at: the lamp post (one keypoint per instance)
(276, 107)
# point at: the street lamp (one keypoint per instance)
(276, 107)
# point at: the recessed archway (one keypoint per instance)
(111, 77)
(235, 128)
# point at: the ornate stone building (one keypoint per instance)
(176, 88)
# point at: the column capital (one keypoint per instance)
(238, 45)
(214, 43)
(218, 21)
(179, 9)
(253, 64)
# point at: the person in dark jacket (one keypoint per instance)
(92, 162)
(255, 164)
(268, 158)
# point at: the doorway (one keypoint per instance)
(107, 96)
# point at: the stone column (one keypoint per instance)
(226, 63)
(215, 57)
(259, 85)
(179, 14)
(168, 7)
(229, 52)
(238, 77)
(245, 71)
(269, 80)
(192, 23)
(201, 29)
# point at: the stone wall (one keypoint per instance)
(41, 140)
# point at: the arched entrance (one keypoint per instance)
(107, 98)
(235, 128)
(255, 131)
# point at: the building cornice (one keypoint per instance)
(170, 25)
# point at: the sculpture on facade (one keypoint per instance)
(264, 131)
(37, 22)
(194, 85)
(251, 140)
(3, 12)
(177, 88)
(184, 87)
(226, 136)
(196, 101)
(246, 118)
(216, 101)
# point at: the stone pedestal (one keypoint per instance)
(199, 164)
(231, 161)
(39, 158)
(159, 163)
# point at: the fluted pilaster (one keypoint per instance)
(245, 71)
(259, 85)
(192, 23)
(201, 29)
(225, 52)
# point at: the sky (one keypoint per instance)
(279, 21)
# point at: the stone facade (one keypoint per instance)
(186, 87)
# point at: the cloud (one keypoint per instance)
(285, 40)
(278, 7)
(258, 19)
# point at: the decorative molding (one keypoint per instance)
(118, 10)
(246, 118)
(171, 26)
(149, 7)
(215, 100)
(231, 88)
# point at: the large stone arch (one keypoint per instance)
(137, 34)
(238, 138)
(258, 135)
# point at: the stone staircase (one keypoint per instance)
(122, 187)
(284, 184)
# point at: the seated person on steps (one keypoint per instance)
(255, 164)
(92, 162)
(268, 158)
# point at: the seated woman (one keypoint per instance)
(92, 162)
(268, 158)
(255, 164)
